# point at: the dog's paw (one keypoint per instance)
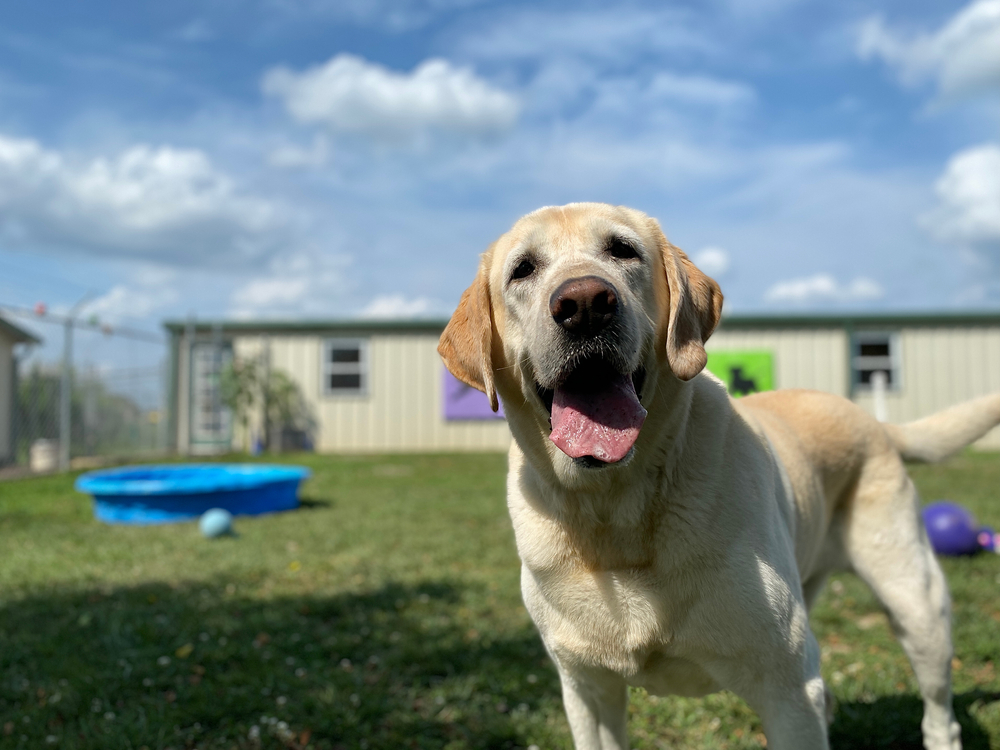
(942, 737)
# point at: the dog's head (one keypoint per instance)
(574, 315)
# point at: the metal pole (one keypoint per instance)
(14, 434)
(66, 384)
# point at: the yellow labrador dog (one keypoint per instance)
(670, 537)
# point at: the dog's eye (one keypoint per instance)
(524, 268)
(621, 250)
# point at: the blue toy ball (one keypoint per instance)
(216, 522)
(952, 529)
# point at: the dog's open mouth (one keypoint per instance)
(595, 412)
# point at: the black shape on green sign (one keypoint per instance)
(743, 372)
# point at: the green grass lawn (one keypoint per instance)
(386, 613)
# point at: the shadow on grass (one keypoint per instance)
(893, 722)
(198, 665)
(313, 504)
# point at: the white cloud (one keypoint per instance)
(348, 94)
(963, 55)
(162, 203)
(700, 90)
(301, 283)
(712, 260)
(396, 306)
(969, 194)
(823, 287)
(262, 294)
(606, 34)
(149, 291)
(290, 156)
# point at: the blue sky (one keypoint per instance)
(314, 158)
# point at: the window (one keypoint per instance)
(345, 367)
(874, 352)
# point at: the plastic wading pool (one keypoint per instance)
(182, 492)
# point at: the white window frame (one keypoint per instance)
(208, 361)
(361, 367)
(890, 364)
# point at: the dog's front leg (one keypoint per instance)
(789, 696)
(596, 706)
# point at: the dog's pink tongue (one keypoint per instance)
(603, 424)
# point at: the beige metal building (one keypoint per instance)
(380, 386)
(10, 335)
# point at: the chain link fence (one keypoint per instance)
(116, 399)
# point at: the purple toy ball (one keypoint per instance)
(951, 528)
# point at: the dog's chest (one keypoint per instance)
(623, 621)
(612, 619)
(610, 590)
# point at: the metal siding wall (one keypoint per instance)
(248, 348)
(403, 409)
(941, 367)
(803, 358)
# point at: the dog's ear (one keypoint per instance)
(466, 346)
(695, 309)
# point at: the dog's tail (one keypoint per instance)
(936, 437)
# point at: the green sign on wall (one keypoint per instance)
(743, 372)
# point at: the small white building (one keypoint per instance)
(10, 335)
(375, 386)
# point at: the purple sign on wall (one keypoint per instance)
(462, 401)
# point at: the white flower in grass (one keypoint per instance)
(283, 732)
(163, 661)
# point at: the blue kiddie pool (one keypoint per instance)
(182, 492)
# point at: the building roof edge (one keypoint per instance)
(17, 333)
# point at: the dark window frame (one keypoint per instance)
(863, 365)
(345, 369)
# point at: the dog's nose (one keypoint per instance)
(585, 305)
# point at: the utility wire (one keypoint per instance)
(122, 331)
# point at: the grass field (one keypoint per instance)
(386, 614)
